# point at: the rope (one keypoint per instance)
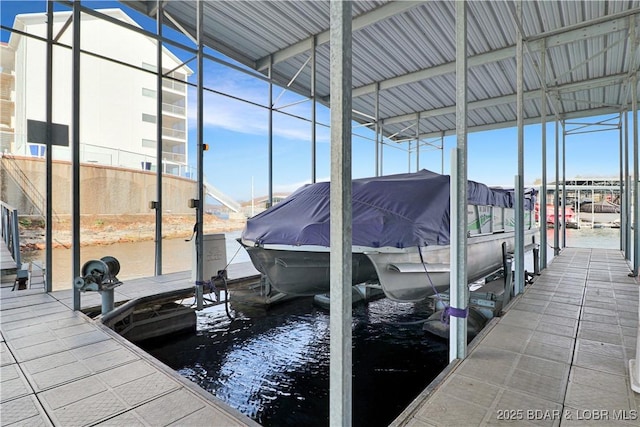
(448, 310)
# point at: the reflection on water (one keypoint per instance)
(274, 365)
(137, 259)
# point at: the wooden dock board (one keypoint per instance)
(58, 367)
(558, 357)
(6, 260)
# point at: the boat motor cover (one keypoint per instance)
(400, 211)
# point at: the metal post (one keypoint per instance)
(627, 193)
(636, 174)
(620, 199)
(542, 197)
(418, 143)
(556, 200)
(313, 113)
(519, 205)
(340, 382)
(381, 149)
(49, 154)
(200, 154)
(75, 153)
(159, 142)
(270, 74)
(459, 291)
(107, 298)
(564, 185)
(408, 156)
(377, 128)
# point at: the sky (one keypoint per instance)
(237, 133)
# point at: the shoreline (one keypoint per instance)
(104, 230)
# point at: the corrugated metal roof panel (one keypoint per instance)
(420, 40)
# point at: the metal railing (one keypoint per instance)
(27, 187)
(10, 230)
(175, 109)
(174, 133)
(171, 84)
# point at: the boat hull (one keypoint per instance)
(401, 274)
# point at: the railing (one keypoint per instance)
(174, 157)
(174, 133)
(175, 109)
(27, 187)
(171, 84)
(10, 231)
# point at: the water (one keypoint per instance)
(274, 365)
(136, 258)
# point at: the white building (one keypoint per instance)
(117, 102)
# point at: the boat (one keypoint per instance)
(400, 235)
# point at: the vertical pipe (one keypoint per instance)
(636, 174)
(408, 156)
(542, 197)
(340, 390)
(458, 202)
(621, 183)
(418, 143)
(442, 154)
(313, 112)
(564, 185)
(159, 142)
(556, 195)
(519, 231)
(49, 154)
(75, 153)
(381, 149)
(270, 72)
(377, 128)
(200, 154)
(627, 186)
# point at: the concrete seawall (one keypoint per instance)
(104, 189)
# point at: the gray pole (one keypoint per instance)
(556, 195)
(200, 154)
(418, 143)
(381, 148)
(270, 72)
(408, 156)
(340, 383)
(620, 200)
(564, 185)
(75, 154)
(377, 129)
(49, 154)
(458, 205)
(159, 142)
(627, 193)
(636, 172)
(519, 231)
(313, 112)
(542, 197)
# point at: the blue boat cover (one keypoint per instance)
(399, 211)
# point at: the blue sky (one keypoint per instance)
(237, 133)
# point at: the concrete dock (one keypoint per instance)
(559, 356)
(59, 367)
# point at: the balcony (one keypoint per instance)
(174, 157)
(173, 109)
(174, 133)
(174, 85)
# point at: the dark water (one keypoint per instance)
(274, 365)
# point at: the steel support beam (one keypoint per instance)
(340, 382)
(556, 194)
(542, 197)
(75, 153)
(459, 292)
(362, 21)
(270, 136)
(627, 194)
(564, 184)
(622, 187)
(636, 177)
(519, 205)
(313, 114)
(49, 154)
(377, 131)
(158, 206)
(417, 144)
(200, 158)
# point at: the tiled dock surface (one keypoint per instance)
(60, 368)
(558, 357)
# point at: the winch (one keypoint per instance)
(100, 275)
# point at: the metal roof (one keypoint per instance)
(407, 50)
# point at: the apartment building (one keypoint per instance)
(118, 103)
